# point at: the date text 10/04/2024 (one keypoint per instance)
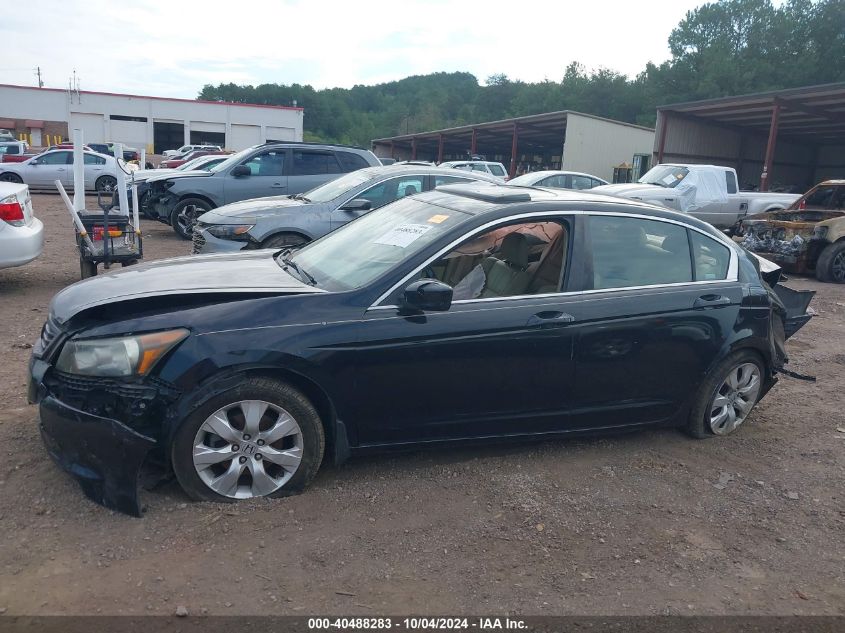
(417, 623)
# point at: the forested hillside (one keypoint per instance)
(721, 48)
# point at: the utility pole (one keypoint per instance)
(38, 73)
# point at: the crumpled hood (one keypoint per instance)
(253, 208)
(243, 272)
(179, 174)
(633, 190)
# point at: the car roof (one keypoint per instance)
(470, 162)
(558, 172)
(398, 170)
(477, 199)
(836, 181)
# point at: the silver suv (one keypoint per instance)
(271, 169)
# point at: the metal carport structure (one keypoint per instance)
(795, 137)
(520, 139)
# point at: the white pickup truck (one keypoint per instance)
(708, 192)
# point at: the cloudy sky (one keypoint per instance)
(174, 48)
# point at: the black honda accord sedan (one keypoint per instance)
(463, 313)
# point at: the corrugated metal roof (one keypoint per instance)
(815, 113)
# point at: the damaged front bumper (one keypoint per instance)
(103, 454)
(102, 445)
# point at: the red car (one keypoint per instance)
(176, 162)
(14, 152)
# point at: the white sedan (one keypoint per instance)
(21, 233)
(557, 180)
(42, 171)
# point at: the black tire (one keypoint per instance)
(256, 388)
(87, 269)
(182, 218)
(830, 266)
(106, 184)
(698, 424)
(10, 177)
(284, 240)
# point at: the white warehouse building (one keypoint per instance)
(155, 123)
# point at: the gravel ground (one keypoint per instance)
(645, 523)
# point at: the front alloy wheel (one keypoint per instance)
(247, 449)
(259, 438)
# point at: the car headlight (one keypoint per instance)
(121, 356)
(230, 231)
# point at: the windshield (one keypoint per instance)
(360, 252)
(664, 175)
(234, 159)
(338, 186)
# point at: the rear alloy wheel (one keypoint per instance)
(106, 184)
(262, 438)
(727, 396)
(185, 214)
(284, 240)
(831, 263)
(10, 177)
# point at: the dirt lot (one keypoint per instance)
(649, 523)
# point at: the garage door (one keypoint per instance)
(130, 133)
(275, 133)
(92, 126)
(207, 133)
(244, 136)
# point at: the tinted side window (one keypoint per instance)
(711, 258)
(90, 159)
(393, 189)
(448, 180)
(513, 260)
(821, 197)
(307, 163)
(558, 181)
(582, 182)
(497, 170)
(730, 179)
(270, 163)
(351, 162)
(56, 158)
(636, 252)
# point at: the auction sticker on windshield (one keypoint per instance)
(403, 235)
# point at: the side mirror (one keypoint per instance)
(428, 294)
(240, 171)
(357, 204)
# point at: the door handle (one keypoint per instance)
(707, 301)
(278, 185)
(549, 319)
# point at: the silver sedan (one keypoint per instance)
(557, 180)
(42, 171)
(21, 233)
